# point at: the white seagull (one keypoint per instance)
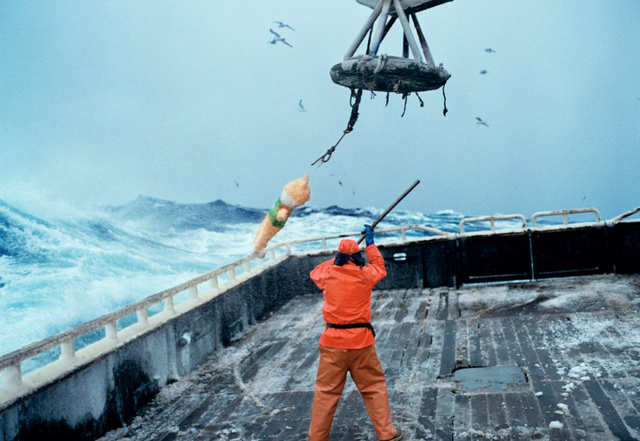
(278, 38)
(283, 25)
(480, 121)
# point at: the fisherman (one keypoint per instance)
(348, 341)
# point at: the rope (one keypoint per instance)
(352, 121)
(445, 110)
(405, 97)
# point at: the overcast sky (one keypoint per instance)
(102, 101)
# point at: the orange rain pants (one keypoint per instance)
(367, 374)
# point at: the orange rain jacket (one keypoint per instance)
(347, 298)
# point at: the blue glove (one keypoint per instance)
(368, 232)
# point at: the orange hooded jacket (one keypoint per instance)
(347, 296)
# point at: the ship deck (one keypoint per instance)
(548, 360)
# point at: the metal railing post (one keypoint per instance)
(143, 316)
(111, 330)
(67, 349)
(11, 377)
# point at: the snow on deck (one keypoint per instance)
(577, 342)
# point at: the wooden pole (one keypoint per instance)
(388, 210)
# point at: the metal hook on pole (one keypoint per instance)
(388, 210)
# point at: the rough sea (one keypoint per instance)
(60, 271)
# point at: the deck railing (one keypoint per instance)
(565, 214)
(492, 221)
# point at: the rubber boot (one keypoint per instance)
(398, 436)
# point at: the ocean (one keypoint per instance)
(61, 271)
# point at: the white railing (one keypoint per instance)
(167, 303)
(565, 214)
(625, 215)
(523, 222)
(492, 221)
(65, 342)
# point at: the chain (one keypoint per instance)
(357, 95)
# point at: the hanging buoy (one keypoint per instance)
(398, 74)
(383, 73)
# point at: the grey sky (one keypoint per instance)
(186, 101)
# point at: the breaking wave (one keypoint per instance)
(58, 272)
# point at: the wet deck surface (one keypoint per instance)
(552, 360)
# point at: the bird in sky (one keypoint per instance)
(480, 121)
(278, 38)
(301, 107)
(491, 51)
(339, 180)
(482, 72)
(283, 25)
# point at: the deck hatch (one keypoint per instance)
(490, 379)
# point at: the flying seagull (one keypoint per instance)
(482, 72)
(283, 25)
(278, 38)
(491, 51)
(301, 107)
(480, 121)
